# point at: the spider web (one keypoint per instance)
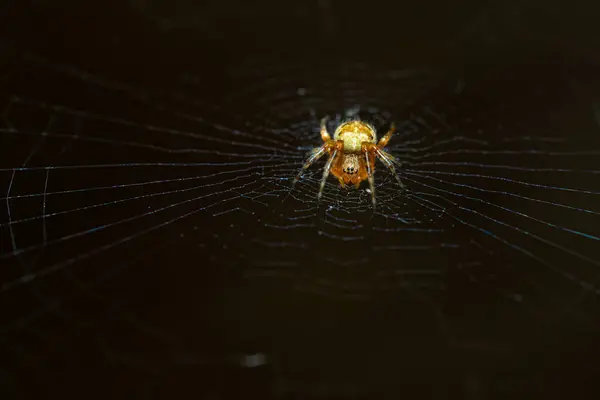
(140, 214)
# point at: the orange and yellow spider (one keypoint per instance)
(352, 154)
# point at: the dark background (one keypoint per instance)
(188, 311)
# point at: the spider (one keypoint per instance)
(352, 154)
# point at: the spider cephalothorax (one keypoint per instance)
(352, 154)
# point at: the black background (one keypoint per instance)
(177, 321)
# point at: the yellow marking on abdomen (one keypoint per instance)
(353, 141)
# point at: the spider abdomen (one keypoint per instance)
(354, 133)
(353, 141)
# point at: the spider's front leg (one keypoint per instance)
(389, 160)
(368, 149)
(328, 146)
(324, 134)
(371, 151)
(386, 138)
(338, 149)
(333, 148)
(386, 157)
(314, 156)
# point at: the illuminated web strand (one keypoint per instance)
(549, 224)
(290, 226)
(402, 229)
(44, 202)
(127, 165)
(127, 123)
(408, 146)
(340, 219)
(113, 224)
(232, 210)
(118, 186)
(403, 247)
(343, 226)
(103, 82)
(45, 197)
(139, 197)
(548, 242)
(487, 251)
(339, 237)
(331, 260)
(426, 172)
(582, 234)
(299, 245)
(547, 139)
(438, 207)
(37, 293)
(507, 167)
(301, 217)
(501, 152)
(136, 184)
(58, 266)
(507, 180)
(142, 96)
(186, 150)
(280, 142)
(569, 276)
(8, 207)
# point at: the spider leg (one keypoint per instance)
(324, 134)
(314, 156)
(326, 173)
(386, 138)
(368, 150)
(388, 160)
